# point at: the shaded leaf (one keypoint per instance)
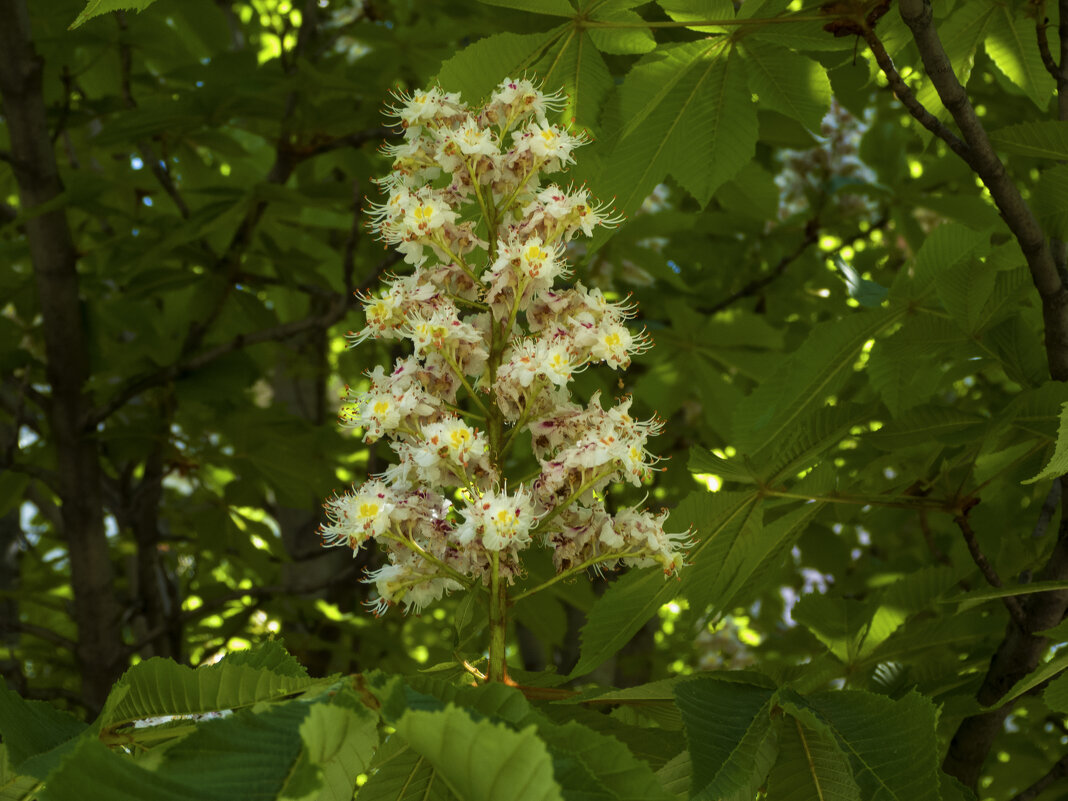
(1046, 139)
(787, 82)
(477, 69)
(687, 113)
(1012, 45)
(728, 727)
(33, 729)
(632, 600)
(891, 743)
(810, 766)
(805, 380)
(1058, 462)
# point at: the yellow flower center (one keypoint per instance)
(368, 510)
(535, 253)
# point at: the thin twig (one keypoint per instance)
(811, 237)
(908, 99)
(276, 333)
(1011, 602)
(40, 632)
(1041, 23)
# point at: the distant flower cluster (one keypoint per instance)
(488, 327)
(817, 176)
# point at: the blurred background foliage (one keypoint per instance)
(215, 156)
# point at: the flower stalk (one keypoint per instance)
(487, 316)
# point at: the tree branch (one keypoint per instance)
(811, 237)
(1041, 24)
(41, 633)
(1058, 771)
(901, 89)
(191, 363)
(982, 158)
(156, 166)
(1011, 602)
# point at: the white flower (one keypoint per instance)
(454, 440)
(357, 517)
(497, 520)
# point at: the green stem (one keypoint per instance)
(560, 507)
(890, 502)
(537, 388)
(498, 621)
(573, 571)
(478, 195)
(429, 557)
(700, 23)
(507, 205)
(440, 242)
(466, 385)
(463, 412)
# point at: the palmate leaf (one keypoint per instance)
(94, 8)
(787, 82)
(339, 742)
(1011, 43)
(676, 775)
(1043, 673)
(13, 785)
(402, 774)
(629, 39)
(687, 113)
(806, 378)
(36, 735)
(945, 247)
(850, 629)
(725, 583)
(572, 63)
(1058, 462)
(810, 767)
(632, 600)
(964, 289)
(905, 368)
(1056, 694)
(1047, 139)
(477, 69)
(245, 757)
(732, 741)
(698, 10)
(614, 769)
(1051, 200)
(961, 34)
(890, 743)
(481, 761)
(158, 687)
(923, 424)
(704, 461)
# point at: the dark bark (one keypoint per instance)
(153, 587)
(100, 651)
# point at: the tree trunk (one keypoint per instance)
(100, 648)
